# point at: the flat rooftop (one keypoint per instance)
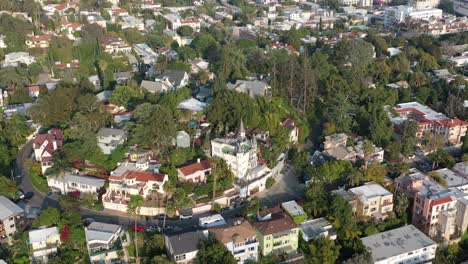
(293, 209)
(370, 190)
(452, 179)
(428, 113)
(396, 242)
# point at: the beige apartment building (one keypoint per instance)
(372, 201)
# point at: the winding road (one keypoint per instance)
(286, 188)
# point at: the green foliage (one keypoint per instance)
(323, 250)
(153, 126)
(185, 31)
(124, 96)
(408, 138)
(331, 170)
(49, 217)
(375, 172)
(8, 187)
(15, 30)
(136, 201)
(213, 251)
(269, 183)
(357, 53)
(316, 204)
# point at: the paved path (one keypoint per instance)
(287, 187)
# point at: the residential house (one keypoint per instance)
(290, 125)
(114, 44)
(38, 41)
(110, 138)
(70, 29)
(96, 19)
(239, 152)
(45, 145)
(3, 45)
(370, 201)
(14, 59)
(183, 248)
(174, 22)
(127, 22)
(116, 13)
(135, 182)
(252, 88)
(181, 40)
(150, 5)
(103, 242)
(182, 139)
(336, 146)
(11, 218)
(174, 78)
(145, 54)
(155, 87)
(401, 245)
(44, 243)
(95, 81)
(430, 121)
(196, 172)
(198, 65)
(295, 211)
(192, 104)
(276, 232)
(75, 183)
(398, 85)
(316, 228)
(34, 91)
(240, 239)
(123, 77)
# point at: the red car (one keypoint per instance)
(138, 228)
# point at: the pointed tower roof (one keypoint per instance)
(242, 129)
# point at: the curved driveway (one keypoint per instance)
(286, 188)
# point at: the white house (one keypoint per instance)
(44, 242)
(110, 138)
(316, 228)
(72, 183)
(173, 78)
(14, 59)
(239, 152)
(132, 22)
(102, 241)
(398, 14)
(405, 244)
(45, 145)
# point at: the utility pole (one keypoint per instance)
(214, 190)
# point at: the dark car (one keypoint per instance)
(28, 195)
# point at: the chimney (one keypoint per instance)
(198, 160)
(54, 143)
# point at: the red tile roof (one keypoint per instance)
(441, 201)
(278, 223)
(142, 176)
(192, 168)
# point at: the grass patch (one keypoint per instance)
(39, 182)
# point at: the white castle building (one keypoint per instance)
(239, 152)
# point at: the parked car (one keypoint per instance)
(151, 228)
(28, 195)
(20, 194)
(138, 228)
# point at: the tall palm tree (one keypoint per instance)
(133, 209)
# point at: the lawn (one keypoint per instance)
(39, 182)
